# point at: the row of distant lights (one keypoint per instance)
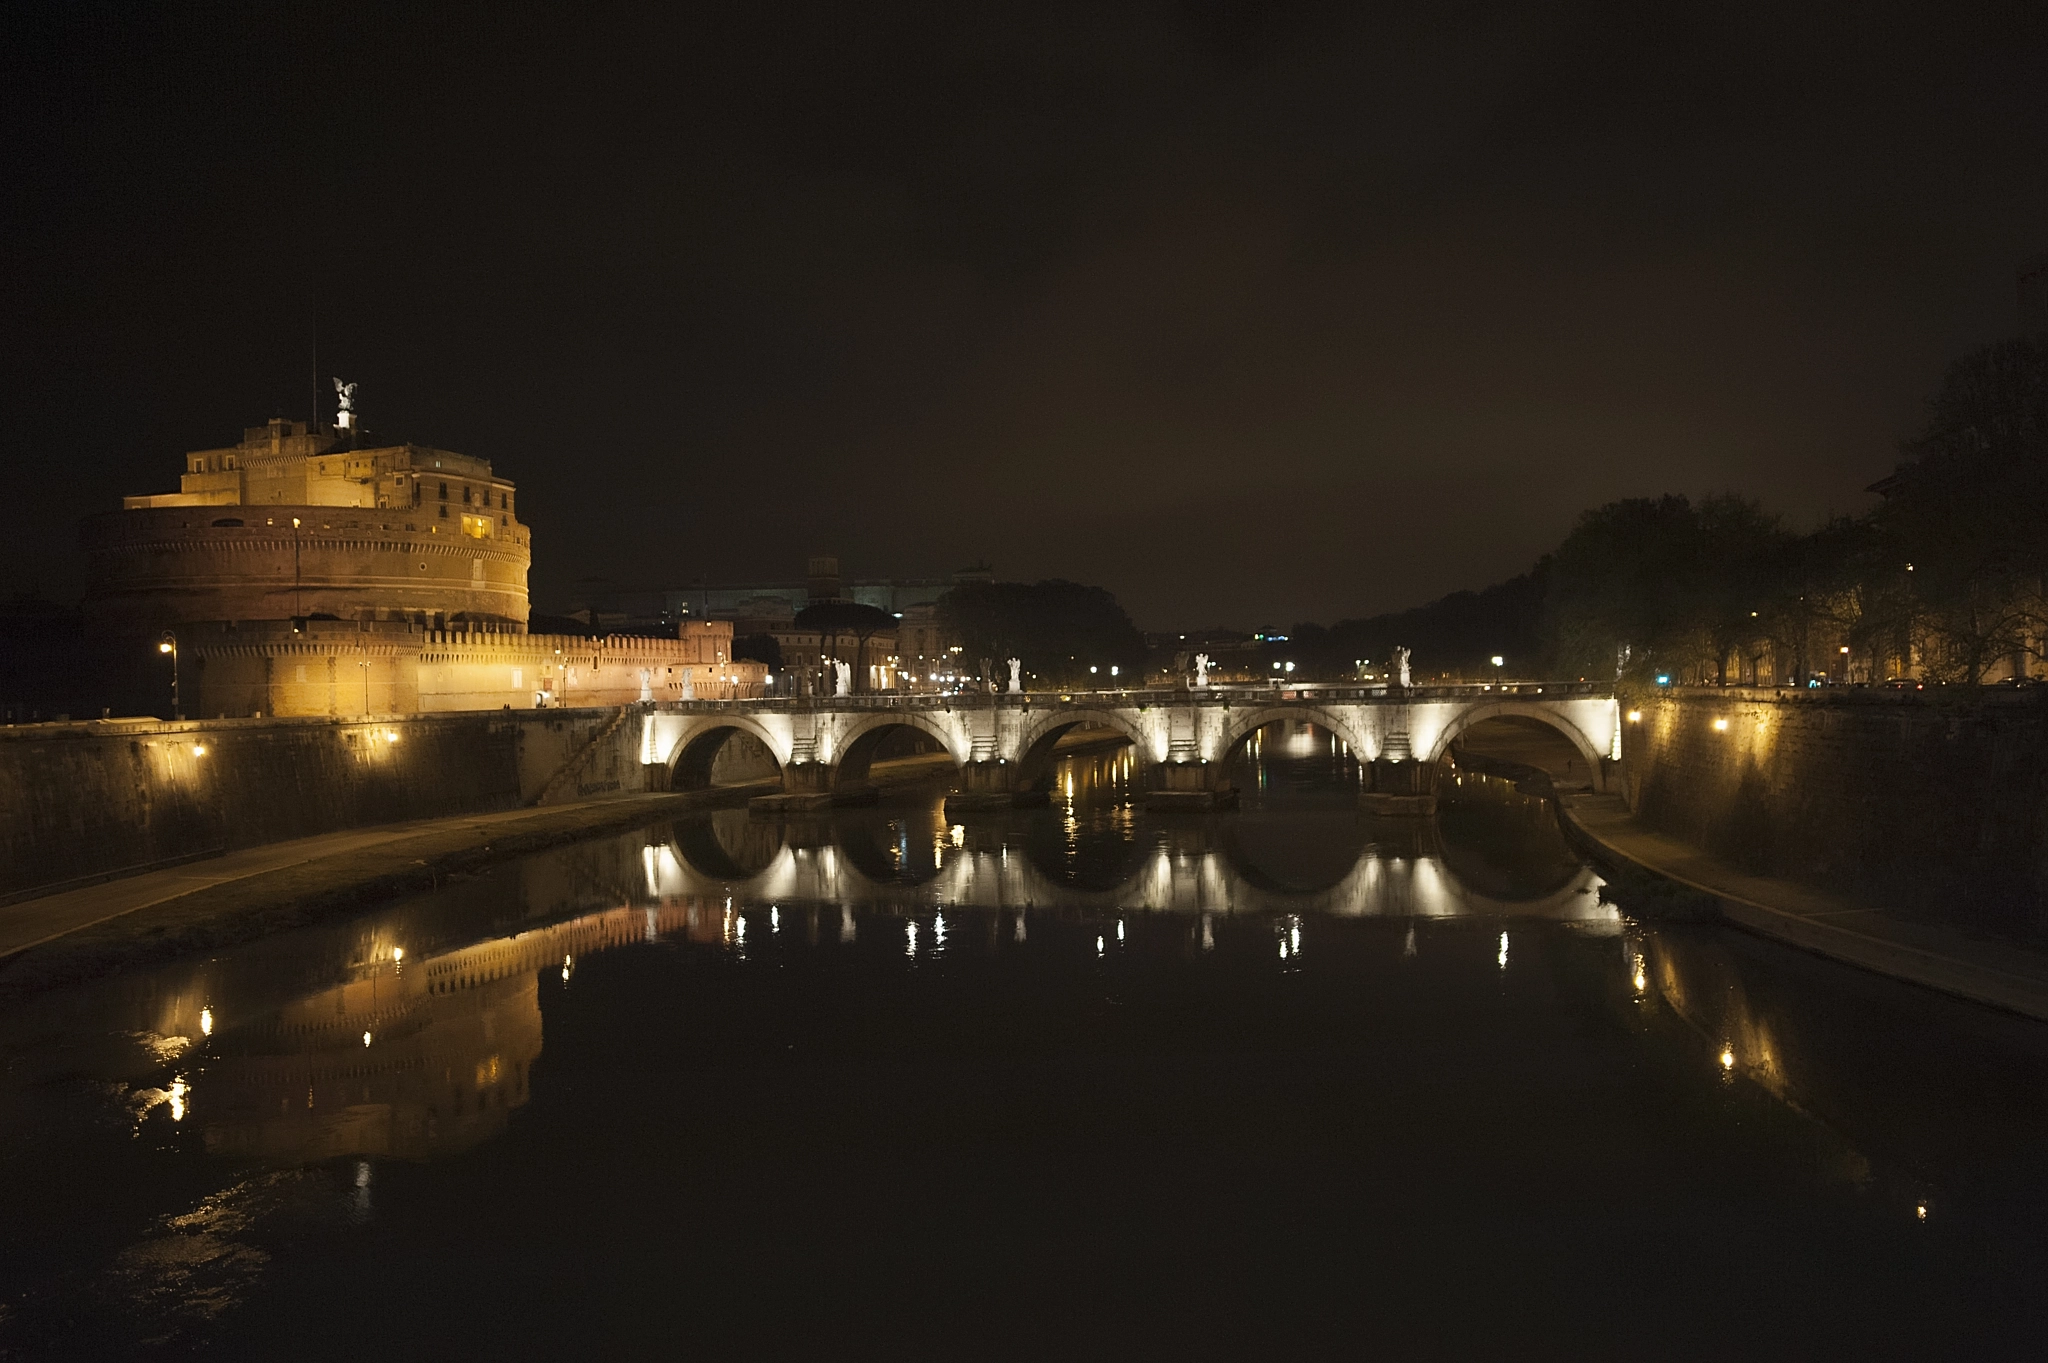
(1720, 725)
(389, 736)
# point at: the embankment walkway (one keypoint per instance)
(84, 932)
(1940, 958)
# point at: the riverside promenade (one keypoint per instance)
(83, 932)
(2008, 977)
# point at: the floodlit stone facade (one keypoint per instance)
(292, 523)
(350, 670)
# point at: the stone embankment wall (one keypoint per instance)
(1934, 802)
(80, 800)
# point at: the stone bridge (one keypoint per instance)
(1004, 744)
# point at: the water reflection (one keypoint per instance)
(1487, 858)
(415, 1033)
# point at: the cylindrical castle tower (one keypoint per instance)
(292, 523)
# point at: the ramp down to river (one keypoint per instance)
(1926, 954)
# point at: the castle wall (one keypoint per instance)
(160, 567)
(87, 799)
(341, 670)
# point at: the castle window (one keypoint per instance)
(444, 513)
(465, 496)
(444, 493)
(504, 501)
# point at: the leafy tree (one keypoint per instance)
(1455, 635)
(758, 648)
(839, 623)
(1966, 510)
(1622, 589)
(1057, 628)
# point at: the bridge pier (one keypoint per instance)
(1187, 785)
(1402, 788)
(813, 785)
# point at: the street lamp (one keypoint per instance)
(169, 644)
(1498, 661)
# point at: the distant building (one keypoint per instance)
(294, 523)
(296, 574)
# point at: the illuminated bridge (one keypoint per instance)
(1005, 745)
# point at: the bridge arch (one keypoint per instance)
(1043, 731)
(853, 748)
(1507, 707)
(689, 762)
(1238, 727)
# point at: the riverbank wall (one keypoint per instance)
(110, 797)
(1929, 803)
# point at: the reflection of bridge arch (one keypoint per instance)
(726, 848)
(1376, 885)
(696, 749)
(1042, 733)
(1507, 707)
(1244, 862)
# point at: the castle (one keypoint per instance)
(295, 573)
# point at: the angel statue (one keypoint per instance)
(1401, 666)
(843, 686)
(1201, 671)
(1016, 676)
(345, 404)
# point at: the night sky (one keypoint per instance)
(1249, 313)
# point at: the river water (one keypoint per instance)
(1076, 1080)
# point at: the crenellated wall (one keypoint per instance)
(1931, 802)
(81, 800)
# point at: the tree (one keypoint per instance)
(1621, 587)
(838, 621)
(1058, 629)
(1966, 511)
(758, 648)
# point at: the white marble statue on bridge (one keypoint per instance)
(1201, 671)
(1016, 676)
(1401, 666)
(842, 684)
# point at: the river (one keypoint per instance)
(1069, 1080)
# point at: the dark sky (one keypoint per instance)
(1250, 313)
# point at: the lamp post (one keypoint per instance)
(1498, 662)
(295, 567)
(169, 644)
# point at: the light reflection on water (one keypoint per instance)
(255, 1095)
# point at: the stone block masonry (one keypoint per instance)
(94, 799)
(1932, 803)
